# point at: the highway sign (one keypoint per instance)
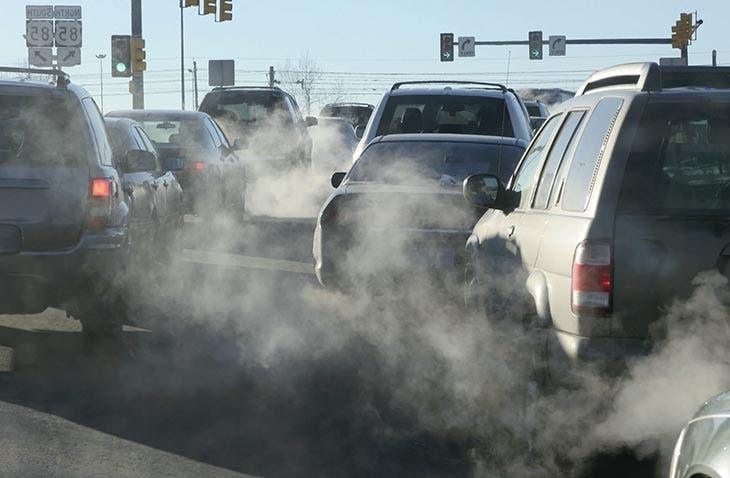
(467, 46)
(68, 56)
(67, 12)
(68, 33)
(557, 45)
(42, 56)
(38, 12)
(38, 33)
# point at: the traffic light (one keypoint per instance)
(192, 3)
(209, 7)
(682, 31)
(121, 56)
(535, 42)
(138, 55)
(447, 47)
(226, 10)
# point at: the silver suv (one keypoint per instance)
(621, 199)
(454, 107)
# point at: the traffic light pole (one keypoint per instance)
(588, 41)
(137, 76)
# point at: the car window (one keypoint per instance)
(588, 154)
(680, 161)
(213, 133)
(446, 114)
(216, 131)
(189, 133)
(557, 152)
(146, 145)
(448, 163)
(525, 178)
(99, 131)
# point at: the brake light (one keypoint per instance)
(195, 166)
(101, 188)
(99, 213)
(592, 280)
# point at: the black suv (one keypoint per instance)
(63, 217)
(265, 122)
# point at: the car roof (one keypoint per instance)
(38, 87)
(448, 138)
(157, 114)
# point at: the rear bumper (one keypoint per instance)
(568, 353)
(33, 280)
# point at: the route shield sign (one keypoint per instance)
(42, 56)
(557, 45)
(38, 33)
(467, 46)
(68, 33)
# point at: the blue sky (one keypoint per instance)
(363, 46)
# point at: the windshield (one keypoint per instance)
(355, 115)
(447, 162)
(446, 114)
(41, 130)
(680, 160)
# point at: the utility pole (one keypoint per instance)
(194, 71)
(137, 76)
(182, 58)
(714, 57)
(272, 78)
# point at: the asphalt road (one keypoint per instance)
(232, 368)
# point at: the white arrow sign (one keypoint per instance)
(68, 56)
(557, 45)
(40, 56)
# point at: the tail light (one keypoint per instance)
(100, 203)
(195, 166)
(592, 281)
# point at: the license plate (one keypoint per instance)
(9, 239)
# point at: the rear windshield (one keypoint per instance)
(42, 130)
(534, 110)
(447, 162)
(179, 133)
(251, 107)
(680, 161)
(446, 114)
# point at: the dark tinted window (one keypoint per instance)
(446, 162)
(445, 114)
(588, 154)
(355, 115)
(65, 139)
(525, 179)
(189, 133)
(534, 110)
(564, 138)
(97, 127)
(249, 107)
(680, 161)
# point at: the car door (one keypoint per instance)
(228, 164)
(505, 251)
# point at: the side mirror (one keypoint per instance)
(310, 121)
(360, 131)
(237, 144)
(137, 160)
(482, 190)
(172, 164)
(337, 178)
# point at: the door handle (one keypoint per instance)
(165, 183)
(155, 185)
(511, 231)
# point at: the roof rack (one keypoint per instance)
(652, 77)
(62, 78)
(448, 82)
(347, 103)
(262, 87)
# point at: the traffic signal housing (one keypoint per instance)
(682, 31)
(535, 44)
(138, 55)
(225, 10)
(447, 47)
(121, 56)
(209, 6)
(192, 3)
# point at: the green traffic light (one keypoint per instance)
(121, 67)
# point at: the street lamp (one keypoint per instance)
(100, 57)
